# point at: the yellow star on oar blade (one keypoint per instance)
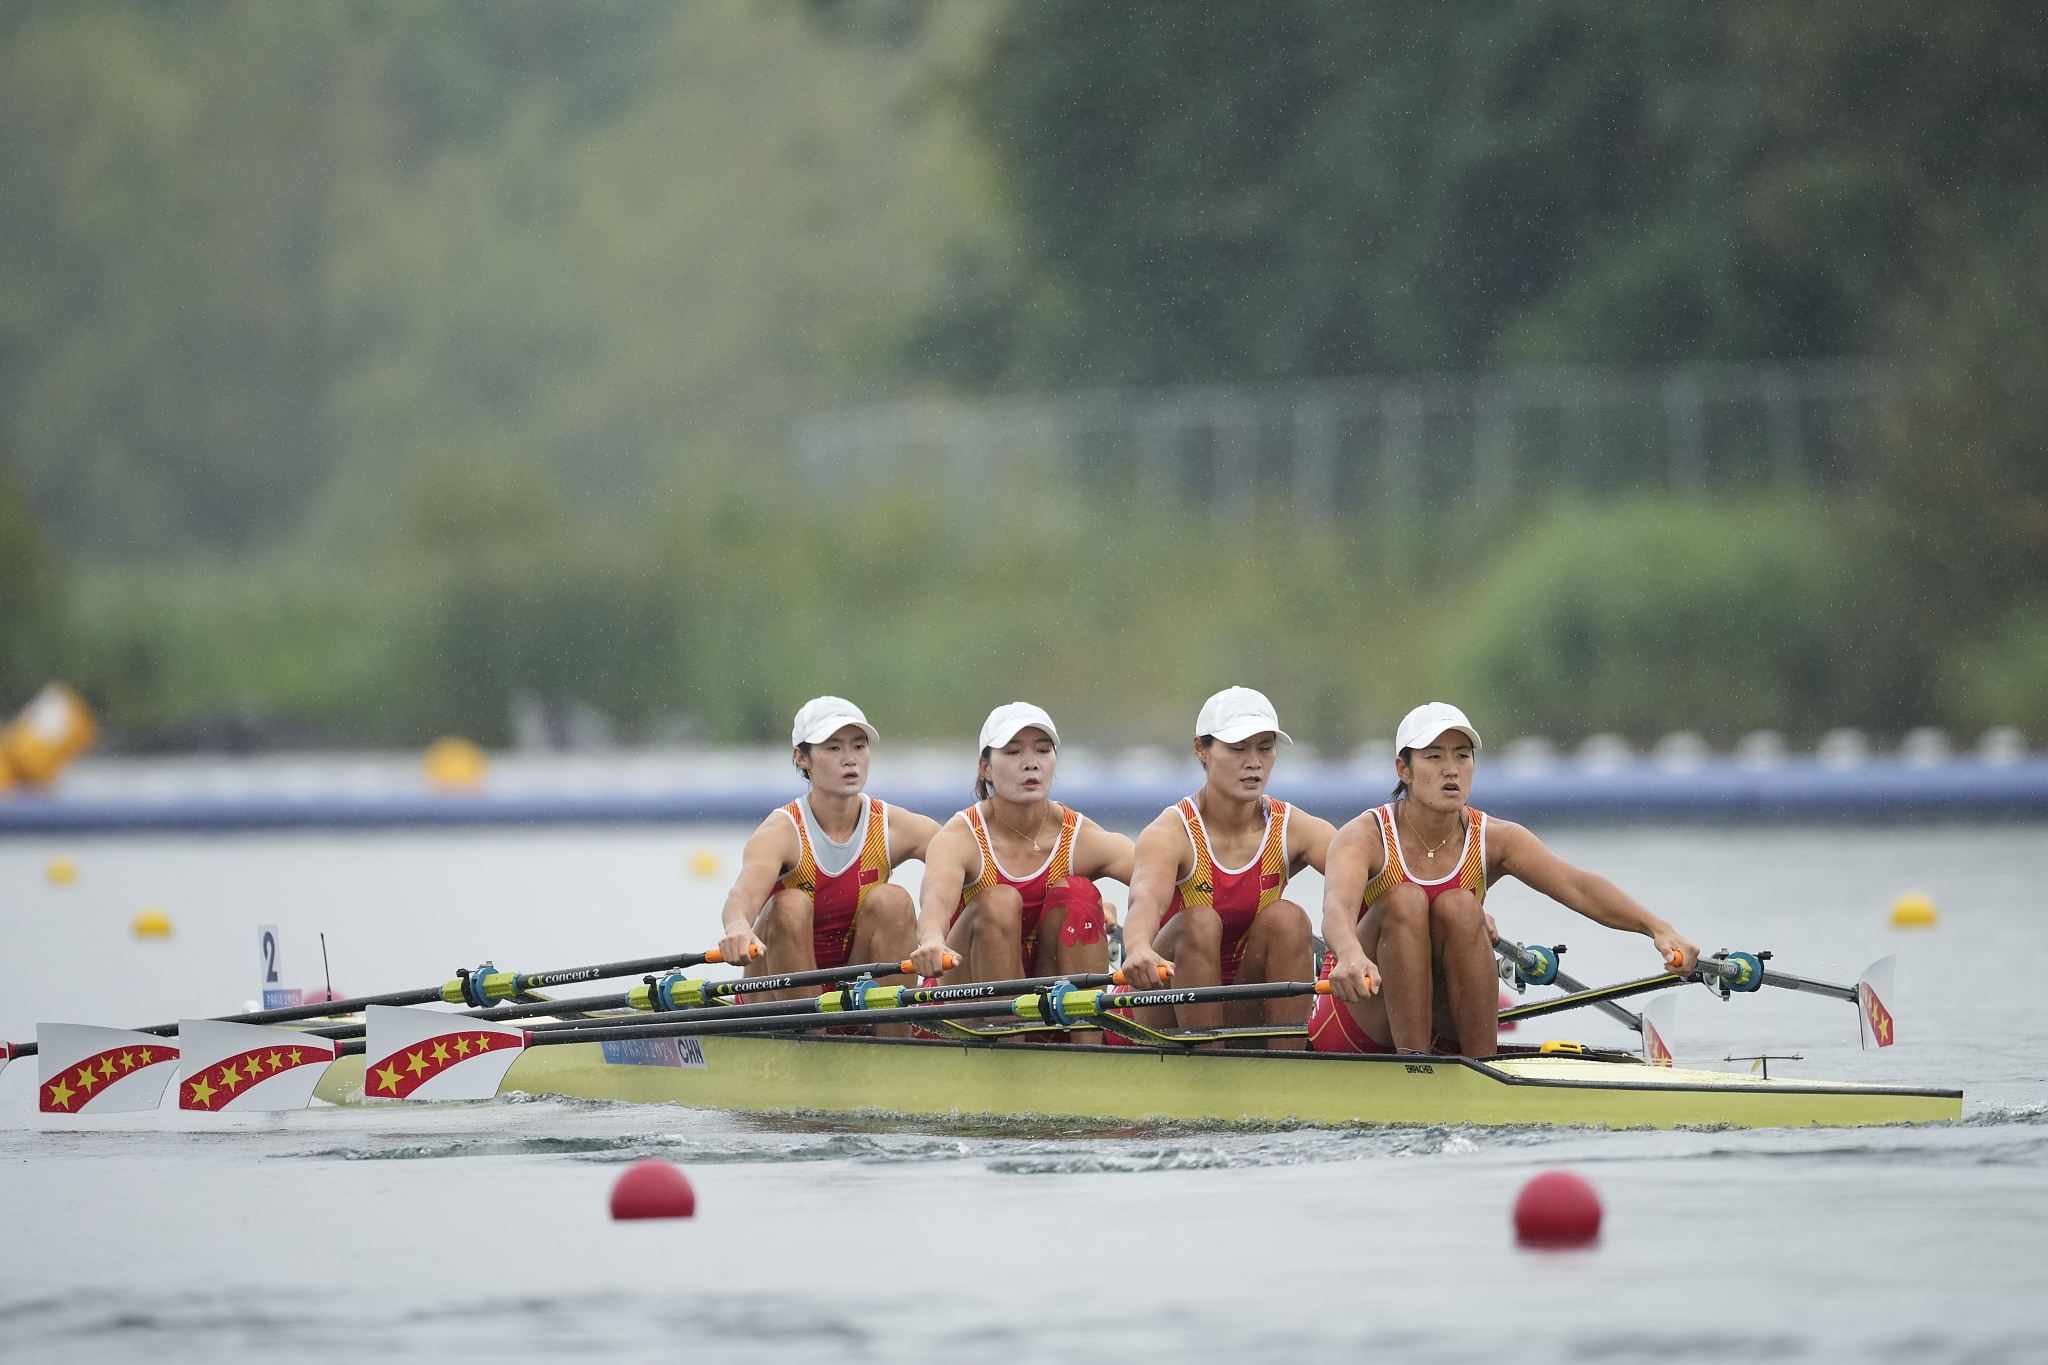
(276, 1062)
(107, 1066)
(253, 1068)
(295, 1056)
(440, 1050)
(87, 1079)
(60, 1094)
(127, 1061)
(203, 1093)
(483, 1042)
(230, 1077)
(416, 1062)
(461, 1046)
(144, 1054)
(390, 1077)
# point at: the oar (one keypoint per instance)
(1603, 996)
(1062, 1004)
(683, 993)
(861, 996)
(1536, 965)
(1726, 972)
(477, 988)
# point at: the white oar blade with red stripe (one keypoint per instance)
(88, 1069)
(1660, 1022)
(1873, 1004)
(247, 1067)
(6, 1055)
(431, 1055)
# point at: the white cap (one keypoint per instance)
(1005, 721)
(1420, 727)
(824, 717)
(1238, 713)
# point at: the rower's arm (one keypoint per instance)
(946, 861)
(1099, 853)
(1308, 840)
(771, 851)
(1162, 857)
(910, 834)
(1523, 856)
(1347, 870)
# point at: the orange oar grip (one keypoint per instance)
(714, 956)
(1322, 988)
(946, 960)
(753, 951)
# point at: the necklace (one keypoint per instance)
(1033, 836)
(1430, 849)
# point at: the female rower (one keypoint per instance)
(814, 886)
(1404, 893)
(1002, 925)
(1213, 869)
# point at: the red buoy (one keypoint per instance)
(1557, 1209)
(653, 1189)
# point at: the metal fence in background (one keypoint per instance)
(1395, 442)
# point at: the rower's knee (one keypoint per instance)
(890, 909)
(1404, 907)
(890, 899)
(1201, 928)
(1286, 926)
(788, 915)
(1456, 913)
(1000, 908)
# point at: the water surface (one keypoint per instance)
(482, 1228)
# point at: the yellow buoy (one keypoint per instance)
(54, 728)
(150, 922)
(1914, 910)
(455, 765)
(60, 872)
(704, 863)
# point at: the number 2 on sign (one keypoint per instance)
(275, 996)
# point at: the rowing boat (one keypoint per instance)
(935, 1079)
(997, 1049)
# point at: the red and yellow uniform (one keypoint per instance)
(1333, 1028)
(1050, 886)
(1237, 895)
(836, 900)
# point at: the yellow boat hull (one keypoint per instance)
(853, 1075)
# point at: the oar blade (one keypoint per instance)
(1873, 1004)
(6, 1055)
(430, 1055)
(1660, 1026)
(227, 1066)
(85, 1068)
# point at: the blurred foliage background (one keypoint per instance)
(368, 366)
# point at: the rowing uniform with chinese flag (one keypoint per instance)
(1333, 1028)
(837, 876)
(1237, 895)
(1049, 888)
